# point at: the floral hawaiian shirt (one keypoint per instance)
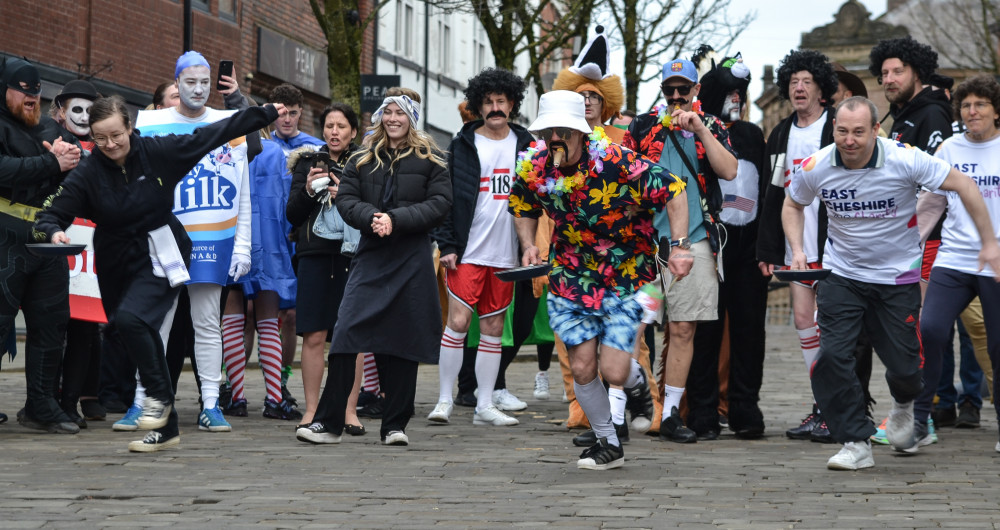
(604, 237)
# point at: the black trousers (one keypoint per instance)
(888, 314)
(39, 287)
(397, 379)
(145, 347)
(525, 307)
(82, 362)
(743, 295)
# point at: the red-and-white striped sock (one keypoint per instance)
(234, 353)
(487, 368)
(809, 342)
(269, 351)
(371, 373)
(449, 362)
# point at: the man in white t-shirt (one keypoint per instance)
(478, 237)
(957, 276)
(807, 79)
(873, 248)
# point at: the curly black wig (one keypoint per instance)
(816, 64)
(921, 57)
(984, 86)
(495, 81)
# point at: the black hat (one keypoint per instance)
(77, 88)
(723, 77)
(21, 75)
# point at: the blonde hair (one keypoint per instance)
(416, 143)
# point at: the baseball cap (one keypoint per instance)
(680, 68)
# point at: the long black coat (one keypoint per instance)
(391, 304)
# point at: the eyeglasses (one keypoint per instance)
(591, 97)
(117, 138)
(561, 132)
(980, 106)
(668, 90)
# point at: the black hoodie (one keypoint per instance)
(923, 122)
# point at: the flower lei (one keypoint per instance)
(531, 168)
(664, 114)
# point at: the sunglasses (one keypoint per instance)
(683, 90)
(562, 132)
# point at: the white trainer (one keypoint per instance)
(853, 456)
(997, 448)
(504, 400)
(492, 416)
(542, 385)
(396, 438)
(441, 412)
(899, 428)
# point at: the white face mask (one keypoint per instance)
(77, 111)
(731, 108)
(194, 85)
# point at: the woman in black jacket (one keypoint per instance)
(394, 192)
(127, 189)
(320, 266)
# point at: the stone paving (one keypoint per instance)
(466, 476)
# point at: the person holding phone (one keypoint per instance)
(322, 267)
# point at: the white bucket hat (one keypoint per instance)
(561, 108)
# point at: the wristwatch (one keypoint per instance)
(682, 243)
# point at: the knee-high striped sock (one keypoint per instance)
(269, 351)
(371, 373)
(809, 342)
(450, 362)
(234, 353)
(487, 368)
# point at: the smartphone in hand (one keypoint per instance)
(322, 160)
(225, 68)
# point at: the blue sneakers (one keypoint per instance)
(212, 420)
(131, 420)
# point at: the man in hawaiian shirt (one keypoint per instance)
(602, 198)
(695, 146)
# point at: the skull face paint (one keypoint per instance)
(76, 112)
(731, 107)
(194, 85)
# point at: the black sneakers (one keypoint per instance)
(589, 438)
(280, 411)
(968, 417)
(601, 456)
(805, 429)
(821, 434)
(672, 429)
(639, 403)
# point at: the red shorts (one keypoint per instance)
(476, 287)
(930, 254)
(812, 266)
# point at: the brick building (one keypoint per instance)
(130, 47)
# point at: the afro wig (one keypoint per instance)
(813, 62)
(494, 81)
(921, 57)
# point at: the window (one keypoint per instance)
(227, 9)
(444, 47)
(479, 49)
(405, 18)
(201, 5)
